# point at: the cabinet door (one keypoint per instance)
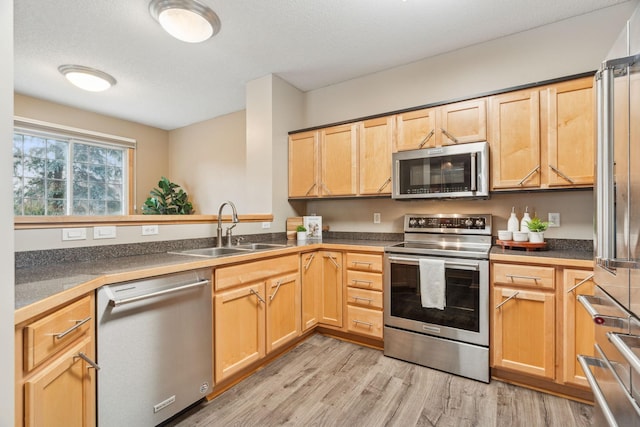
(515, 140)
(576, 282)
(331, 295)
(462, 122)
(303, 165)
(568, 128)
(375, 146)
(523, 334)
(416, 129)
(338, 174)
(239, 329)
(311, 288)
(283, 310)
(63, 393)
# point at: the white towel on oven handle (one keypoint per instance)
(432, 283)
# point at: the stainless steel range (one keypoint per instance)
(436, 291)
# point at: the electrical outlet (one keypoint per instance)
(266, 225)
(554, 219)
(376, 218)
(148, 230)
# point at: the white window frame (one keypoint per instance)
(76, 135)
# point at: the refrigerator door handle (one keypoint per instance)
(588, 302)
(624, 343)
(585, 362)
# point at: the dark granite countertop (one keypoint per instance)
(551, 253)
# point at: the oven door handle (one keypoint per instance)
(448, 264)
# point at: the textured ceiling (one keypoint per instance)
(168, 84)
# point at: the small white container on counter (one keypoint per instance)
(520, 236)
(505, 235)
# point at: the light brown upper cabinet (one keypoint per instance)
(567, 119)
(455, 123)
(303, 164)
(338, 160)
(374, 166)
(543, 137)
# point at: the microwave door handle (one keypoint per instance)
(474, 177)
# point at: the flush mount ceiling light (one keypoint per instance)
(87, 78)
(186, 20)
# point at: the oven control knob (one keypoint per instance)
(479, 222)
(422, 222)
(468, 222)
(412, 222)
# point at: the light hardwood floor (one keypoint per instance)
(327, 382)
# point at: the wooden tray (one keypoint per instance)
(512, 244)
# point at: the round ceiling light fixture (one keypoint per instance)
(186, 20)
(87, 78)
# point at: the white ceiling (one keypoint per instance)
(168, 84)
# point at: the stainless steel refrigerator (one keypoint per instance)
(613, 371)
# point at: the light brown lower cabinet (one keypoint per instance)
(331, 288)
(55, 375)
(535, 322)
(62, 393)
(311, 278)
(257, 309)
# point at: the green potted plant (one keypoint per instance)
(537, 227)
(301, 232)
(169, 199)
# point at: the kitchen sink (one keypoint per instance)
(227, 251)
(260, 246)
(213, 252)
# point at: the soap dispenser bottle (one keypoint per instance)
(525, 220)
(512, 224)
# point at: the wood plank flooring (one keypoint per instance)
(327, 382)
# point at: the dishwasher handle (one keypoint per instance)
(119, 302)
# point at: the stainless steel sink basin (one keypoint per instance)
(260, 246)
(227, 251)
(213, 252)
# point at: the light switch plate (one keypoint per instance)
(74, 234)
(107, 232)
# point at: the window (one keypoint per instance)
(68, 173)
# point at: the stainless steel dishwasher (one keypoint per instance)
(154, 339)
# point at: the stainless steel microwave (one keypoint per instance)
(451, 171)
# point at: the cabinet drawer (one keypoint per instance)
(52, 333)
(250, 272)
(524, 275)
(364, 262)
(365, 298)
(364, 321)
(363, 280)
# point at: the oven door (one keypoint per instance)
(465, 316)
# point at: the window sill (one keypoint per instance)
(35, 222)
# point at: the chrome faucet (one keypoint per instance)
(234, 219)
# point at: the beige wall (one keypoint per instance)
(152, 143)
(7, 263)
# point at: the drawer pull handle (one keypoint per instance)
(360, 322)
(561, 175)
(528, 175)
(384, 184)
(505, 301)
(357, 298)
(87, 359)
(426, 138)
(71, 329)
(448, 135)
(251, 291)
(580, 283)
(363, 263)
(367, 282)
(515, 276)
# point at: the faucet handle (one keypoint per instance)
(239, 239)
